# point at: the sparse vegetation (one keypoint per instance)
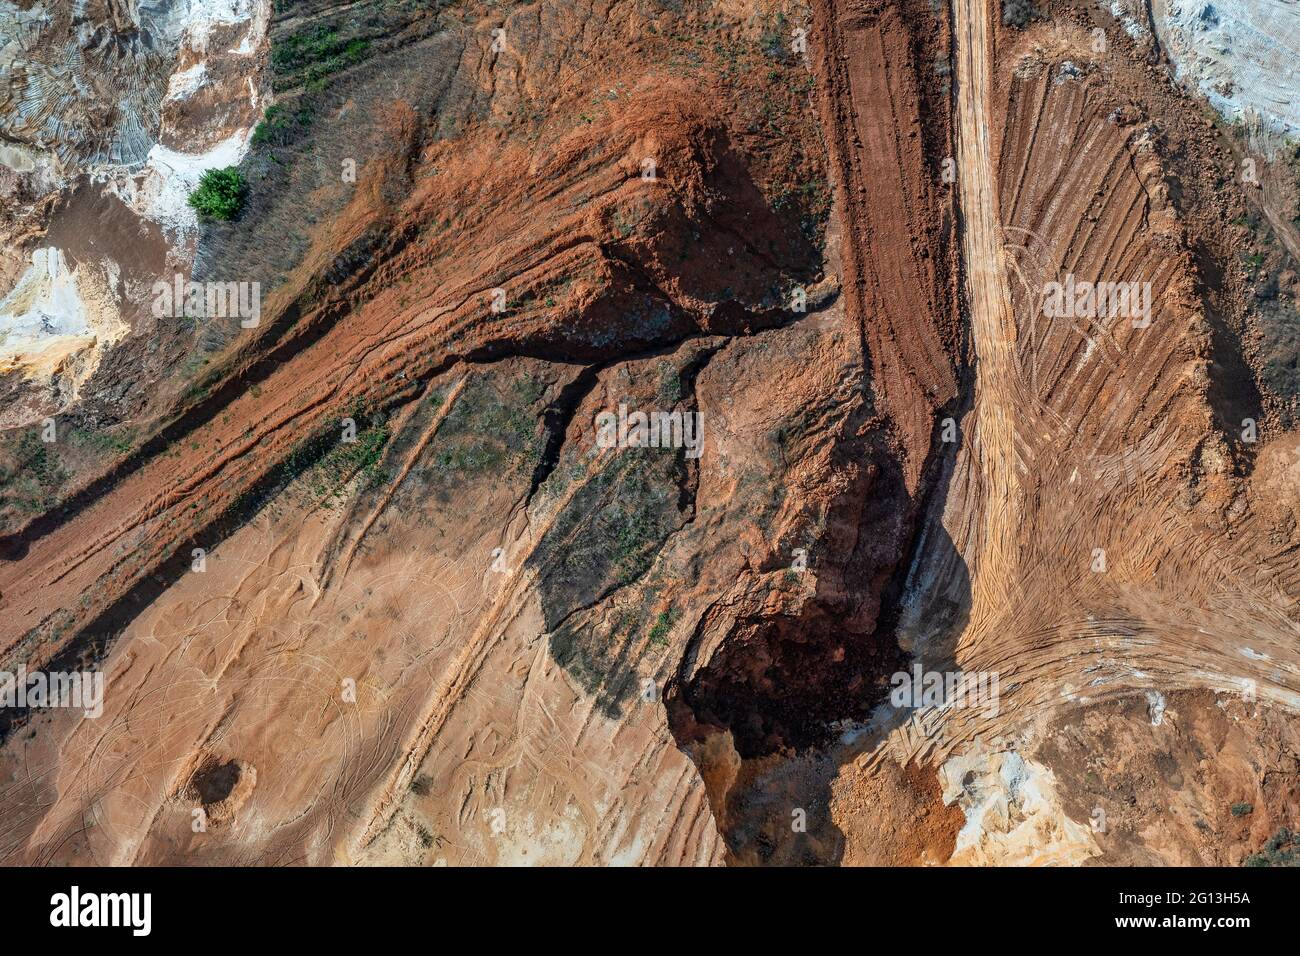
(621, 515)
(571, 654)
(663, 624)
(1279, 355)
(278, 125)
(102, 441)
(773, 39)
(327, 465)
(1019, 13)
(220, 194)
(812, 198)
(670, 385)
(488, 429)
(634, 529)
(29, 482)
(313, 56)
(347, 459)
(1241, 809)
(1282, 849)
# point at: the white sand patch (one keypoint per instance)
(185, 83)
(1013, 813)
(192, 21)
(554, 841)
(53, 312)
(1243, 56)
(1127, 12)
(160, 192)
(1156, 707)
(1088, 349)
(206, 14)
(18, 157)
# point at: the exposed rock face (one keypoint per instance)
(393, 574)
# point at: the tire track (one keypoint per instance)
(992, 324)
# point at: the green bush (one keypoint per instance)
(278, 126)
(220, 194)
(1281, 849)
(314, 56)
(664, 624)
(1241, 809)
(1018, 13)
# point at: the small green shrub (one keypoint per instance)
(315, 55)
(102, 441)
(220, 194)
(670, 384)
(1019, 13)
(1241, 809)
(1282, 849)
(278, 126)
(664, 624)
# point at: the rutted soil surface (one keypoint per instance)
(1119, 540)
(474, 425)
(368, 588)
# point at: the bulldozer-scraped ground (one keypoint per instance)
(369, 582)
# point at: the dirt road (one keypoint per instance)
(992, 324)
